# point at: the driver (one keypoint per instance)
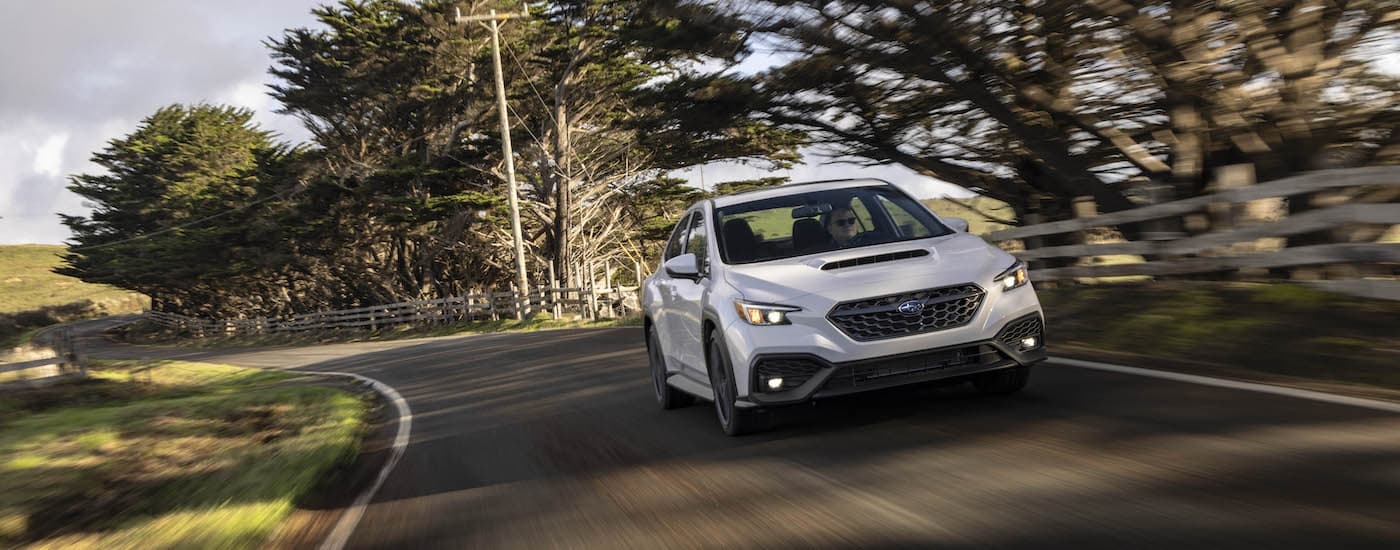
(840, 223)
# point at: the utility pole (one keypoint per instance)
(492, 21)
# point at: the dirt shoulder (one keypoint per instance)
(1273, 333)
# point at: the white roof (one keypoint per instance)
(794, 189)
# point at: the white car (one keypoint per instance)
(822, 289)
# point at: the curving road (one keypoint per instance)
(551, 439)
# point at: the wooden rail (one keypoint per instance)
(65, 354)
(590, 303)
(1217, 251)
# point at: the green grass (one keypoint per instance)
(179, 455)
(33, 296)
(27, 281)
(1275, 328)
(977, 225)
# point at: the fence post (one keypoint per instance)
(1032, 243)
(1084, 207)
(592, 300)
(1225, 216)
(612, 290)
(1229, 216)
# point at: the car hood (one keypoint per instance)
(955, 259)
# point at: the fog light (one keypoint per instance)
(1028, 342)
(775, 383)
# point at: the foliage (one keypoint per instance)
(1038, 102)
(183, 166)
(400, 195)
(167, 455)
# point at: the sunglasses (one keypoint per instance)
(844, 222)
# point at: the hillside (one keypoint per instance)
(977, 224)
(27, 281)
(33, 296)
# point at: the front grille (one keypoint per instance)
(896, 370)
(938, 309)
(1016, 330)
(794, 371)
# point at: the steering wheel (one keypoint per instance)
(868, 237)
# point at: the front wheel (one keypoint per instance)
(734, 420)
(1003, 381)
(666, 396)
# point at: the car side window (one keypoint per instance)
(676, 246)
(698, 243)
(905, 222)
(862, 215)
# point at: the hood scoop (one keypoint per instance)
(878, 258)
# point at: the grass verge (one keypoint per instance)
(149, 333)
(167, 455)
(1274, 330)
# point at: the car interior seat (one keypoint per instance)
(808, 234)
(739, 241)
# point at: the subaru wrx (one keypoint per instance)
(807, 291)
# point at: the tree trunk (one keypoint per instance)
(563, 185)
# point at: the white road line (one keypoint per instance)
(1234, 384)
(340, 535)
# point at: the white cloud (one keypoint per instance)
(248, 94)
(118, 63)
(48, 159)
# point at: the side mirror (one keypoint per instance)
(958, 224)
(682, 267)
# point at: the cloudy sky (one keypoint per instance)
(75, 74)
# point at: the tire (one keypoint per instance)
(732, 419)
(1002, 382)
(666, 396)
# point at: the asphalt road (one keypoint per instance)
(552, 439)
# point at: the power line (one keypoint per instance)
(549, 113)
(495, 19)
(531, 81)
(283, 194)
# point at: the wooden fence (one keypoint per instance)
(1237, 240)
(588, 303)
(1352, 228)
(65, 355)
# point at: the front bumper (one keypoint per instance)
(818, 378)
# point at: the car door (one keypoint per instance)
(665, 285)
(689, 300)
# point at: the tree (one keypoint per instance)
(170, 206)
(407, 204)
(1037, 102)
(598, 86)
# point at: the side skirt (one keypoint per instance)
(687, 385)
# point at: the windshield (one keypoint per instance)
(820, 221)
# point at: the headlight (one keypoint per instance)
(1013, 277)
(763, 314)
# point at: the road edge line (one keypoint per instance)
(1297, 393)
(340, 534)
